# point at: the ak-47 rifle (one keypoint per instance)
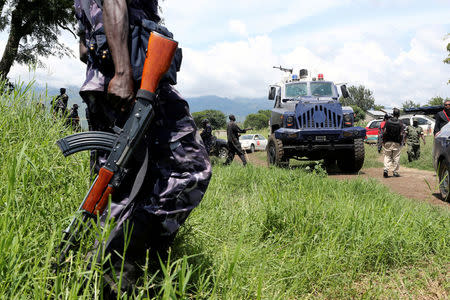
(426, 110)
(121, 145)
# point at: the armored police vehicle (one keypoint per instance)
(308, 122)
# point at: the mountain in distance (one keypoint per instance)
(240, 107)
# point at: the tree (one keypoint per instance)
(359, 113)
(217, 118)
(437, 100)
(409, 104)
(359, 96)
(378, 107)
(34, 27)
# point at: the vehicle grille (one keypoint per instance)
(320, 116)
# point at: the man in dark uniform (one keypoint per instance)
(413, 135)
(442, 117)
(234, 146)
(73, 119)
(206, 135)
(59, 104)
(170, 173)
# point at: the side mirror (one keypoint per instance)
(272, 92)
(344, 91)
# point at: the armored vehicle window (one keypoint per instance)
(296, 89)
(322, 89)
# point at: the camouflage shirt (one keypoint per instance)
(413, 134)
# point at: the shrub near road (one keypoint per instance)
(258, 234)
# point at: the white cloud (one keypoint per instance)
(238, 27)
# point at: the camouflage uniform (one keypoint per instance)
(413, 135)
(170, 173)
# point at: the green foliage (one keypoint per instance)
(359, 113)
(359, 96)
(259, 120)
(215, 117)
(258, 233)
(378, 107)
(410, 104)
(34, 30)
(438, 100)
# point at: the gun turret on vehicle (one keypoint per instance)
(425, 110)
(309, 122)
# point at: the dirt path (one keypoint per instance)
(412, 183)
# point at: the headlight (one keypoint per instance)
(347, 118)
(290, 121)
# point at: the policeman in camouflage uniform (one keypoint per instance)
(170, 173)
(413, 135)
(234, 146)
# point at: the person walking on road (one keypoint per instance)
(393, 136)
(413, 135)
(234, 146)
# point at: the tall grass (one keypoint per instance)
(258, 234)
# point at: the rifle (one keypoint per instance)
(121, 145)
(426, 110)
(283, 69)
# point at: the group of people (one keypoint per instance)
(59, 109)
(394, 135)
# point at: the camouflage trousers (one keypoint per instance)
(413, 151)
(165, 181)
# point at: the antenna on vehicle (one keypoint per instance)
(283, 69)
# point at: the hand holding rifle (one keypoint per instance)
(121, 145)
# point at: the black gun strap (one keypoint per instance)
(140, 177)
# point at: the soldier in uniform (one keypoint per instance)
(73, 119)
(206, 135)
(59, 104)
(170, 173)
(413, 135)
(234, 146)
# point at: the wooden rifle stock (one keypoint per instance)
(158, 59)
(157, 62)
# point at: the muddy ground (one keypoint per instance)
(412, 183)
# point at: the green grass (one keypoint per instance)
(258, 233)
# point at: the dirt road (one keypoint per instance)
(412, 183)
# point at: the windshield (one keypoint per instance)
(321, 89)
(294, 90)
(246, 137)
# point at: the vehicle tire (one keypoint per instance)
(275, 153)
(223, 152)
(444, 180)
(252, 148)
(351, 161)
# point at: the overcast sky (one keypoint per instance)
(393, 47)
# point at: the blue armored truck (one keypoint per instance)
(308, 123)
